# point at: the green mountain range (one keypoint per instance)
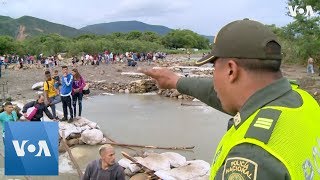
(125, 26)
(27, 26)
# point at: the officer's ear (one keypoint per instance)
(232, 70)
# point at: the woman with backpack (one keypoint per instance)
(77, 91)
(39, 108)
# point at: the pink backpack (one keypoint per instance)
(31, 112)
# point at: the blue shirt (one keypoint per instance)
(5, 117)
(66, 82)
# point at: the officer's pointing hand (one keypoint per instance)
(165, 78)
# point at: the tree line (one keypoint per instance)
(134, 41)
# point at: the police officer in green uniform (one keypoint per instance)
(275, 131)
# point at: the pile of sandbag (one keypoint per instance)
(167, 166)
(81, 131)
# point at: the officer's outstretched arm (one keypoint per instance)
(248, 161)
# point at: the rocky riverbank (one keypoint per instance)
(119, 78)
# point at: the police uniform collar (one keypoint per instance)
(260, 99)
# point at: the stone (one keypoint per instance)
(127, 91)
(175, 93)
(160, 91)
(167, 93)
(180, 97)
(121, 91)
(133, 90)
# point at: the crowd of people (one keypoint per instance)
(66, 88)
(46, 61)
(108, 57)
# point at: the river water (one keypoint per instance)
(148, 120)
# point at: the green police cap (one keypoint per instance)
(244, 39)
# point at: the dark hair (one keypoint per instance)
(77, 75)
(64, 67)
(56, 71)
(7, 104)
(47, 72)
(40, 95)
(259, 65)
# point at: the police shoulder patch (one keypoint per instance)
(239, 168)
(263, 124)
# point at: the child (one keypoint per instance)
(9, 114)
(57, 82)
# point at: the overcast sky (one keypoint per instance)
(202, 16)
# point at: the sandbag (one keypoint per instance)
(37, 86)
(176, 160)
(92, 136)
(126, 163)
(194, 169)
(69, 129)
(156, 162)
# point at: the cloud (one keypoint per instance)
(147, 8)
(202, 16)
